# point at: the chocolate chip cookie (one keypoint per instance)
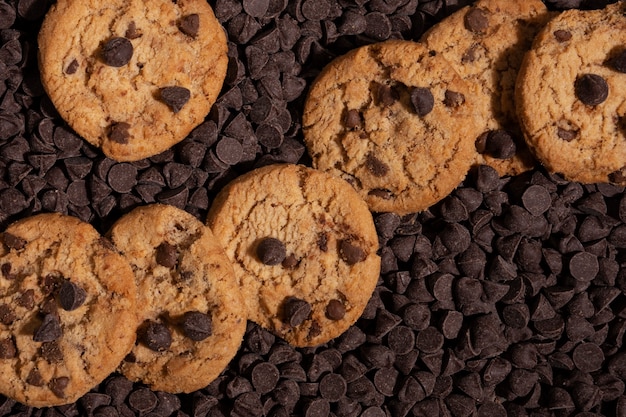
(485, 42)
(132, 77)
(396, 121)
(571, 95)
(189, 304)
(303, 245)
(67, 309)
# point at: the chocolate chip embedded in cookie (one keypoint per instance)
(571, 95)
(129, 82)
(303, 245)
(67, 310)
(396, 121)
(485, 43)
(189, 302)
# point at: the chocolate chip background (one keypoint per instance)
(508, 297)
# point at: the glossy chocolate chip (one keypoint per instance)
(271, 251)
(189, 25)
(49, 330)
(118, 132)
(591, 89)
(295, 311)
(335, 310)
(196, 325)
(155, 336)
(422, 100)
(350, 253)
(71, 296)
(175, 97)
(476, 21)
(117, 51)
(166, 255)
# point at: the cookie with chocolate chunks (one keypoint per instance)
(129, 82)
(191, 320)
(303, 245)
(396, 121)
(67, 310)
(485, 43)
(571, 92)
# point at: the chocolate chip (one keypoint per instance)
(335, 310)
(536, 199)
(497, 144)
(189, 24)
(49, 330)
(350, 253)
(8, 349)
(27, 299)
(618, 62)
(271, 251)
(166, 255)
(353, 119)
(34, 378)
(142, 400)
(377, 167)
(588, 357)
(562, 35)
(155, 336)
(58, 385)
(51, 352)
(175, 97)
(476, 21)
(7, 315)
(295, 311)
(118, 132)
(13, 242)
(264, 377)
(117, 51)
(453, 98)
(384, 95)
(422, 100)
(196, 325)
(333, 387)
(591, 89)
(72, 67)
(71, 296)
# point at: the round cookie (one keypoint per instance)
(486, 42)
(571, 95)
(394, 120)
(192, 323)
(303, 245)
(67, 309)
(132, 77)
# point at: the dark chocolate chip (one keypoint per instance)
(384, 95)
(229, 150)
(618, 62)
(175, 97)
(350, 253)
(142, 400)
(335, 310)
(591, 89)
(117, 51)
(58, 385)
(497, 144)
(296, 311)
(51, 352)
(49, 330)
(118, 132)
(536, 199)
(584, 266)
(34, 378)
(476, 21)
(71, 296)
(422, 100)
(353, 119)
(122, 177)
(588, 357)
(271, 251)
(429, 340)
(72, 67)
(189, 24)
(166, 255)
(453, 98)
(255, 8)
(8, 349)
(562, 35)
(196, 325)
(13, 242)
(377, 167)
(264, 377)
(155, 336)
(7, 315)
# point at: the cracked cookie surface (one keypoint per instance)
(485, 42)
(394, 120)
(303, 245)
(571, 95)
(132, 77)
(189, 304)
(67, 309)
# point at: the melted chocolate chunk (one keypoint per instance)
(335, 310)
(51, 352)
(377, 167)
(166, 255)
(350, 253)
(175, 97)
(27, 299)
(7, 315)
(8, 349)
(453, 99)
(384, 95)
(296, 311)
(58, 385)
(49, 330)
(196, 325)
(476, 21)
(6, 271)
(132, 32)
(118, 132)
(591, 89)
(71, 296)
(353, 119)
(422, 100)
(566, 135)
(271, 251)
(189, 25)
(155, 336)
(562, 35)
(34, 378)
(13, 242)
(117, 51)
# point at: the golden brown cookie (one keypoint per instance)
(189, 304)
(132, 77)
(67, 309)
(485, 42)
(394, 120)
(303, 244)
(571, 95)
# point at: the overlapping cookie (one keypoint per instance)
(189, 304)
(132, 77)
(67, 309)
(396, 121)
(571, 95)
(303, 245)
(485, 42)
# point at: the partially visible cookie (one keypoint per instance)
(303, 244)
(396, 121)
(67, 309)
(132, 77)
(192, 323)
(485, 42)
(571, 95)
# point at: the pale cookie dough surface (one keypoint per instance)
(179, 267)
(485, 43)
(122, 109)
(359, 123)
(318, 218)
(581, 139)
(67, 310)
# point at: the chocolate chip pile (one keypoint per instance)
(506, 298)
